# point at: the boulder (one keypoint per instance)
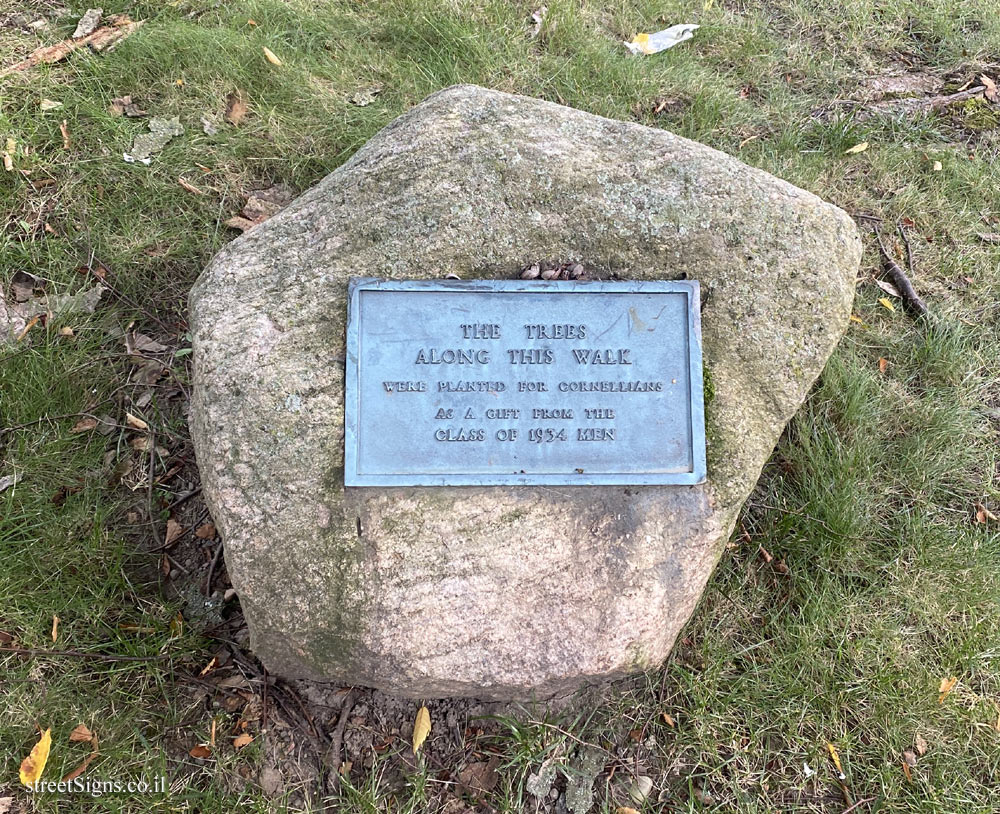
(496, 592)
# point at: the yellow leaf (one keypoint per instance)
(885, 303)
(857, 148)
(421, 728)
(271, 57)
(947, 685)
(34, 764)
(857, 319)
(836, 761)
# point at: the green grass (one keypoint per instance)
(887, 583)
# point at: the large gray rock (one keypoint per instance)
(496, 592)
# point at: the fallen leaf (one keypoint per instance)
(81, 734)
(84, 425)
(856, 318)
(421, 728)
(83, 766)
(34, 764)
(64, 129)
(200, 751)
(174, 531)
(211, 737)
(479, 778)
(6, 803)
(177, 626)
(48, 104)
(836, 760)
(538, 18)
(990, 93)
(668, 720)
(242, 224)
(205, 532)
(857, 148)
(947, 685)
(906, 771)
(209, 667)
(124, 106)
(937, 166)
(640, 788)
(55, 628)
(983, 514)
(921, 745)
(242, 740)
(88, 22)
(271, 56)
(135, 422)
(883, 364)
(884, 302)
(189, 187)
(888, 288)
(236, 107)
(626, 810)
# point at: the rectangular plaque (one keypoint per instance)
(492, 382)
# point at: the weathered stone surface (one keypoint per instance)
(496, 592)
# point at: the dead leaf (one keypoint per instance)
(906, 772)
(88, 22)
(64, 129)
(271, 57)
(421, 728)
(135, 422)
(921, 745)
(668, 720)
(83, 766)
(81, 734)
(883, 364)
(200, 751)
(857, 148)
(31, 324)
(856, 318)
(84, 425)
(209, 667)
(479, 778)
(947, 685)
(55, 628)
(124, 106)
(189, 187)
(145, 344)
(205, 532)
(236, 107)
(983, 514)
(626, 810)
(34, 764)
(836, 760)
(174, 531)
(538, 18)
(48, 104)
(177, 626)
(991, 93)
(885, 303)
(242, 740)
(888, 288)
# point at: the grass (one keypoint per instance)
(882, 582)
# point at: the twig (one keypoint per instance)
(211, 569)
(149, 494)
(29, 651)
(858, 803)
(334, 753)
(900, 280)
(184, 498)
